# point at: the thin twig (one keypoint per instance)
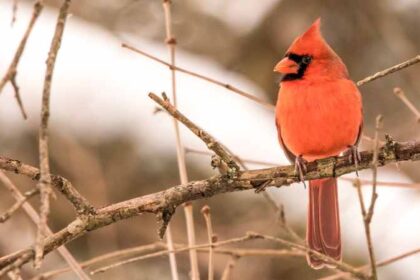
(212, 144)
(368, 214)
(227, 272)
(340, 265)
(251, 161)
(202, 77)
(104, 258)
(180, 155)
(378, 264)
(17, 96)
(401, 95)
(45, 180)
(33, 215)
(177, 250)
(212, 239)
(367, 228)
(374, 196)
(383, 184)
(17, 205)
(390, 70)
(11, 73)
(81, 205)
(160, 245)
(172, 258)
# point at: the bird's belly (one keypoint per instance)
(321, 126)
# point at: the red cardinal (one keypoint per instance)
(318, 115)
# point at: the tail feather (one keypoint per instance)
(323, 229)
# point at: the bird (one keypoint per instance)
(318, 115)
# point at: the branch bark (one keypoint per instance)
(171, 198)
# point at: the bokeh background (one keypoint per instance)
(106, 139)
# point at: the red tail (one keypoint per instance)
(323, 229)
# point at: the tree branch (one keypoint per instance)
(81, 205)
(173, 197)
(390, 70)
(211, 143)
(44, 183)
(11, 73)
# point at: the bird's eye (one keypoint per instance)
(306, 59)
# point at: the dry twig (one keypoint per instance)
(202, 77)
(11, 73)
(178, 250)
(129, 252)
(212, 239)
(81, 205)
(390, 70)
(212, 144)
(378, 264)
(33, 215)
(227, 272)
(45, 180)
(17, 205)
(180, 155)
(368, 214)
(401, 95)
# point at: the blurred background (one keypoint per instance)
(106, 139)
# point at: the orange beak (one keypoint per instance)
(286, 66)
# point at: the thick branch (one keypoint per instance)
(175, 196)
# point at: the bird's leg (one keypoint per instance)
(354, 156)
(300, 168)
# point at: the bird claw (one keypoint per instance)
(354, 156)
(300, 169)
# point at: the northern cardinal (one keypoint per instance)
(318, 115)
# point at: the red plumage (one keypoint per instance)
(318, 114)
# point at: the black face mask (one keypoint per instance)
(302, 61)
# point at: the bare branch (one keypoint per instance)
(45, 180)
(17, 205)
(227, 272)
(401, 95)
(340, 265)
(175, 196)
(378, 264)
(105, 257)
(178, 250)
(368, 214)
(11, 73)
(212, 239)
(202, 77)
(180, 155)
(390, 70)
(212, 144)
(80, 203)
(17, 96)
(33, 215)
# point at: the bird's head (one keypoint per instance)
(310, 56)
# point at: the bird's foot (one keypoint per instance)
(300, 168)
(354, 156)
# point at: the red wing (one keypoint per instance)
(287, 152)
